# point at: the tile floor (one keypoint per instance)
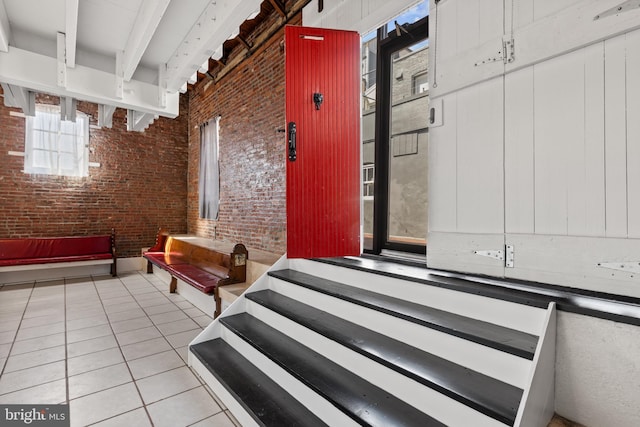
(114, 349)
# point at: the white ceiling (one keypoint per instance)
(134, 54)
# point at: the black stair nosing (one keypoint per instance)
(498, 337)
(483, 393)
(516, 296)
(262, 398)
(365, 403)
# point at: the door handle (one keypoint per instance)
(291, 131)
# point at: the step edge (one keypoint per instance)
(446, 391)
(493, 344)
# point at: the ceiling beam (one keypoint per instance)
(5, 31)
(244, 42)
(279, 7)
(38, 73)
(148, 19)
(214, 26)
(71, 31)
(16, 96)
(105, 115)
(137, 121)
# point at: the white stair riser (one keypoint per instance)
(221, 392)
(516, 316)
(425, 399)
(313, 401)
(494, 363)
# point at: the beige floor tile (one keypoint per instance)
(18, 380)
(40, 343)
(91, 346)
(163, 308)
(158, 299)
(218, 420)
(184, 409)
(126, 315)
(57, 312)
(194, 312)
(40, 331)
(183, 338)
(184, 353)
(167, 384)
(135, 418)
(177, 326)
(203, 321)
(5, 348)
(92, 361)
(10, 326)
(121, 307)
(105, 404)
(155, 364)
(131, 324)
(183, 304)
(88, 333)
(50, 393)
(40, 321)
(34, 358)
(82, 314)
(98, 380)
(87, 322)
(145, 348)
(167, 317)
(123, 299)
(138, 335)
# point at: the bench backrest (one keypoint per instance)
(224, 265)
(49, 247)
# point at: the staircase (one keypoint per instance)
(315, 343)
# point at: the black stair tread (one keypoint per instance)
(495, 336)
(266, 401)
(492, 397)
(362, 401)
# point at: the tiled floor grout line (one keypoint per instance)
(15, 335)
(138, 289)
(135, 384)
(66, 348)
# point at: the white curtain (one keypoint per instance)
(56, 147)
(209, 179)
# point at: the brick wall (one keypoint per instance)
(139, 186)
(251, 101)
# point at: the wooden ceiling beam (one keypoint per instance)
(279, 7)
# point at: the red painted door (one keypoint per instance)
(323, 172)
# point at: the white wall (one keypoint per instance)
(362, 16)
(597, 371)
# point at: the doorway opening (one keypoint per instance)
(395, 96)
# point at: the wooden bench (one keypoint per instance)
(33, 253)
(205, 269)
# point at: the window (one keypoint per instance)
(55, 147)
(367, 177)
(420, 83)
(209, 179)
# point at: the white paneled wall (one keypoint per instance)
(356, 15)
(543, 149)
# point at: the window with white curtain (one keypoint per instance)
(209, 179)
(56, 147)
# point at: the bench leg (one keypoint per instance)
(114, 269)
(173, 285)
(216, 297)
(149, 267)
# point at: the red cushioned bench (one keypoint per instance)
(205, 269)
(31, 253)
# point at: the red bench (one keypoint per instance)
(205, 269)
(29, 253)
